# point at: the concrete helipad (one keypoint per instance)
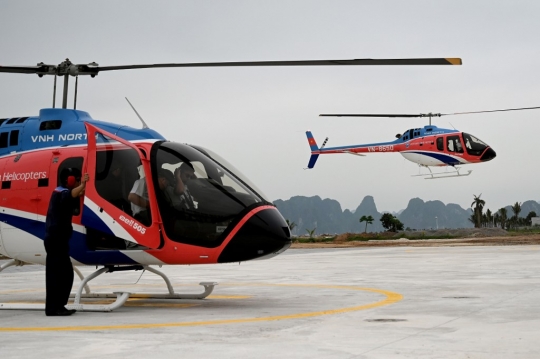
(403, 302)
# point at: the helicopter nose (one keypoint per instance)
(488, 155)
(264, 234)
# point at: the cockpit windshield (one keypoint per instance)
(474, 146)
(198, 198)
(233, 170)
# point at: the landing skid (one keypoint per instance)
(121, 297)
(438, 175)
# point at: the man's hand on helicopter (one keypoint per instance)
(80, 189)
(85, 179)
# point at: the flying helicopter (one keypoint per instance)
(231, 219)
(430, 146)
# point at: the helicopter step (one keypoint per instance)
(438, 175)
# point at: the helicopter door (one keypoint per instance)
(116, 168)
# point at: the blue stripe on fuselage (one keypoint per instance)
(449, 160)
(92, 220)
(78, 249)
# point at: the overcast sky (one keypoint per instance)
(257, 117)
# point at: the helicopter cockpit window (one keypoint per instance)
(473, 145)
(453, 144)
(197, 197)
(120, 179)
(50, 125)
(232, 169)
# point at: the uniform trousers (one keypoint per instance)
(58, 278)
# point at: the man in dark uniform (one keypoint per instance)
(58, 230)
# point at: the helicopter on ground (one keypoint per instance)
(231, 220)
(430, 146)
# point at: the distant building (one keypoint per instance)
(535, 221)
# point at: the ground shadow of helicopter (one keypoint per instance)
(230, 219)
(430, 146)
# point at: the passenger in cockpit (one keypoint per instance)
(139, 196)
(139, 201)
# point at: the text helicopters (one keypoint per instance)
(231, 221)
(429, 146)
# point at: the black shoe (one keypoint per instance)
(63, 312)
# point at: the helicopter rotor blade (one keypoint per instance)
(424, 114)
(508, 109)
(41, 69)
(19, 69)
(92, 69)
(382, 115)
(362, 62)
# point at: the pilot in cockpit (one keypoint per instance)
(181, 196)
(459, 148)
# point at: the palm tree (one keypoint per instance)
(291, 225)
(503, 217)
(516, 208)
(368, 220)
(478, 207)
(489, 218)
(311, 232)
(496, 219)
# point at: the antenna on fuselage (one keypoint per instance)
(140, 118)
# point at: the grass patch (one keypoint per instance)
(445, 236)
(315, 239)
(386, 236)
(523, 231)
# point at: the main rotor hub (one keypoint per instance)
(67, 68)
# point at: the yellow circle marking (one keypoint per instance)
(228, 296)
(159, 305)
(391, 297)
